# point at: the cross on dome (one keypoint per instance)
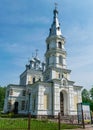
(36, 52)
(55, 27)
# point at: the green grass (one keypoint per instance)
(22, 124)
(13, 123)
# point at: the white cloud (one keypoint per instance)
(80, 54)
(25, 27)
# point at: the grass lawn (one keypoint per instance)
(22, 124)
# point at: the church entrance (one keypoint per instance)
(16, 108)
(61, 103)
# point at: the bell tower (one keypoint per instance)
(55, 51)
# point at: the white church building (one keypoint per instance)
(45, 88)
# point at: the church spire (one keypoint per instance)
(55, 27)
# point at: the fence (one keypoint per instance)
(37, 124)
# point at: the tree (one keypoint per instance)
(91, 93)
(2, 96)
(85, 96)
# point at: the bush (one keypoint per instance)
(11, 115)
(7, 115)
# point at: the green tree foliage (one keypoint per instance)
(91, 93)
(87, 97)
(2, 96)
(91, 97)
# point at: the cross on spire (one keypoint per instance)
(56, 4)
(36, 52)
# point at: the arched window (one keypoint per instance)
(59, 76)
(24, 93)
(34, 80)
(59, 45)
(47, 46)
(58, 28)
(64, 83)
(62, 76)
(60, 59)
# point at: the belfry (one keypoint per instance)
(45, 88)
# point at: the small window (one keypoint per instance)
(24, 93)
(34, 80)
(50, 30)
(23, 105)
(62, 76)
(59, 76)
(39, 79)
(58, 28)
(47, 46)
(59, 45)
(64, 83)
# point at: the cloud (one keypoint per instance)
(24, 27)
(23, 20)
(80, 52)
(79, 41)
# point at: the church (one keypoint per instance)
(45, 88)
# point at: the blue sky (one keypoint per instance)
(24, 26)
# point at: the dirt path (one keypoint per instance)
(87, 127)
